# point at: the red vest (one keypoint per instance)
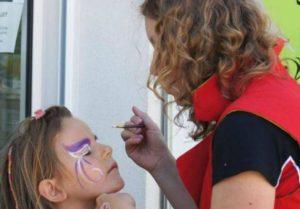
(274, 97)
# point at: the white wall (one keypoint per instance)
(107, 59)
(46, 54)
(179, 139)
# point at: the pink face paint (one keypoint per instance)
(79, 150)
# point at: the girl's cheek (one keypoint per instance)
(94, 171)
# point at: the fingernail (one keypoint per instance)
(105, 205)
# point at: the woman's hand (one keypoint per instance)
(145, 146)
(115, 201)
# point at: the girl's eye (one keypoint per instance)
(86, 150)
(88, 153)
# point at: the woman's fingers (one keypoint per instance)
(133, 130)
(130, 142)
(136, 120)
(149, 123)
(129, 133)
(126, 135)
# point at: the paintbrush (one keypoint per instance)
(130, 126)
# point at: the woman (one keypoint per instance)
(220, 62)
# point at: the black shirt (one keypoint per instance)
(246, 142)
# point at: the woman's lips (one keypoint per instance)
(113, 166)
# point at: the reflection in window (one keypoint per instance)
(10, 90)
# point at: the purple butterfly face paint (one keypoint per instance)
(78, 151)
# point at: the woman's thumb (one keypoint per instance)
(146, 119)
(137, 111)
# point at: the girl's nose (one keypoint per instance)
(106, 152)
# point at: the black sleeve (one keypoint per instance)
(245, 142)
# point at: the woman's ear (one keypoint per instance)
(50, 190)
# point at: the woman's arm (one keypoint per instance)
(248, 190)
(172, 186)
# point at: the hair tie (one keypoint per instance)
(39, 114)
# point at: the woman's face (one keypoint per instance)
(90, 168)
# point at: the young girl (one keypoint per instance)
(53, 161)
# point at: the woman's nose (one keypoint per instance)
(106, 152)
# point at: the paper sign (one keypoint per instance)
(10, 17)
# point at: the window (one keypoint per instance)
(15, 73)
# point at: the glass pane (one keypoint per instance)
(10, 87)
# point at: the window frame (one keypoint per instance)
(29, 48)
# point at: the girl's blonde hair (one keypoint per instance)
(199, 38)
(32, 157)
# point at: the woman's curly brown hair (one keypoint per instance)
(199, 38)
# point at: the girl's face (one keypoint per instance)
(90, 168)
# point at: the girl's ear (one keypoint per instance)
(50, 190)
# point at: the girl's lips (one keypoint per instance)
(113, 166)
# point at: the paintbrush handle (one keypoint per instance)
(130, 126)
